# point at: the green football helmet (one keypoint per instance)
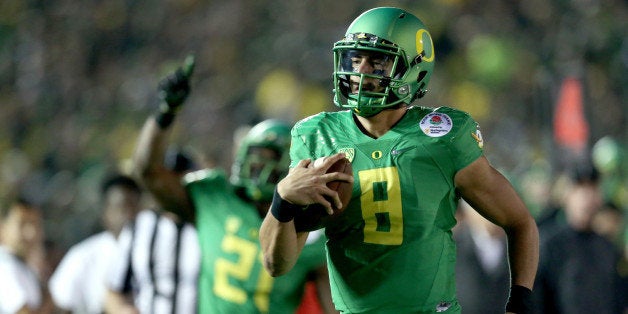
(262, 159)
(392, 35)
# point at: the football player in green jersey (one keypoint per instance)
(227, 212)
(391, 250)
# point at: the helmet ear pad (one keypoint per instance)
(421, 74)
(417, 90)
(421, 91)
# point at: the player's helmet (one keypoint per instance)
(399, 36)
(255, 173)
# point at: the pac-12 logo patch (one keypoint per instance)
(436, 124)
(349, 153)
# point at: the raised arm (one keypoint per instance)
(490, 193)
(164, 184)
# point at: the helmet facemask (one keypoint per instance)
(262, 159)
(260, 171)
(368, 93)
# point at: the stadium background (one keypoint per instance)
(78, 79)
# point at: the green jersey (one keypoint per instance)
(233, 279)
(391, 250)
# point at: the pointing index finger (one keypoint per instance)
(188, 65)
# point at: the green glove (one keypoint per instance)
(175, 88)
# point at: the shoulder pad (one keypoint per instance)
(313, 123)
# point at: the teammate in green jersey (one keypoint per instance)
(391, 250)
(228, 212)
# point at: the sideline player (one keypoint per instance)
(227, 212)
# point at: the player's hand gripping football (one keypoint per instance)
(306, 185)
(175, 88)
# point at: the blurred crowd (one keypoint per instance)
(77, 80)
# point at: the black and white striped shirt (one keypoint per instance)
(158, 262)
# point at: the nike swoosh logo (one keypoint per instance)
(399, 151)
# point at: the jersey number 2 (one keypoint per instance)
(227, 272)
(381, 206)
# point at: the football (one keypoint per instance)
(315, 216)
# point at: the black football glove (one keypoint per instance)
(175, 88)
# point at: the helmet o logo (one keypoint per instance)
(422, 34)
(377, 154)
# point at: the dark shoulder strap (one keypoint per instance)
(127, 287)
(152, 257)
(177, 252)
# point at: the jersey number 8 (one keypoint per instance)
(381, 206)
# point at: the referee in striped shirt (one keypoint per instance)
(158, 260)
